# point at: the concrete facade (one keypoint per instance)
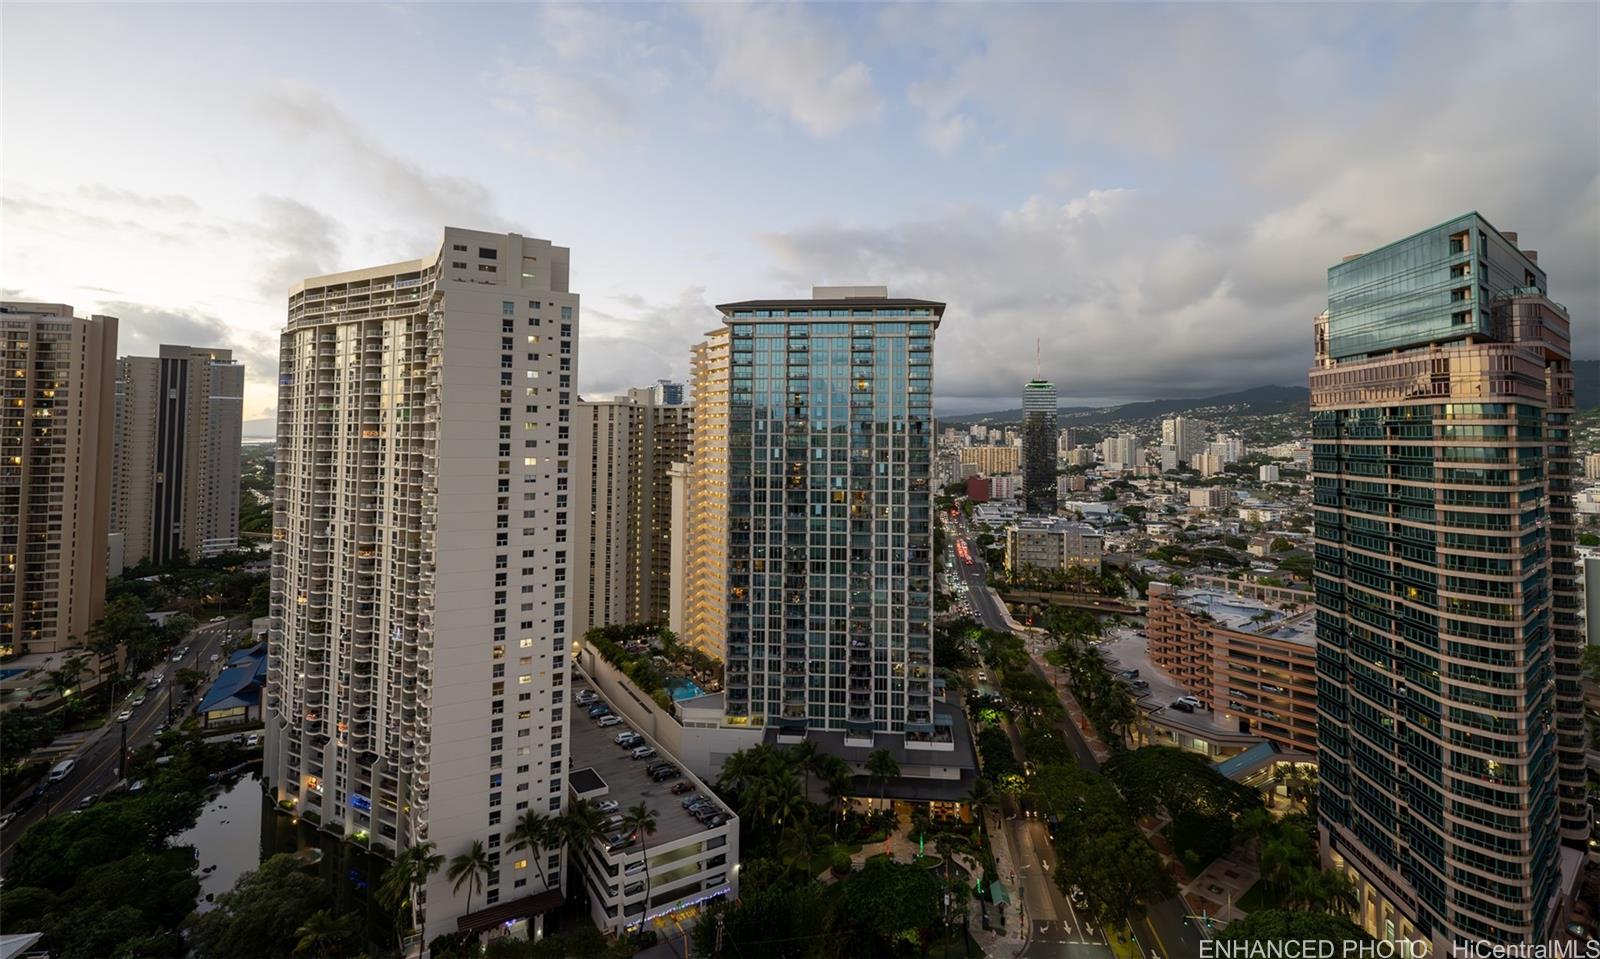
(56, 426)
(418, 651)
(175, 473)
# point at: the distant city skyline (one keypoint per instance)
(1115, 181)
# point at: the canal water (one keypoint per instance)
(240, 827)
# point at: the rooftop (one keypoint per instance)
(623, 778)
(1238, 613)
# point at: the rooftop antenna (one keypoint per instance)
(1036, 373)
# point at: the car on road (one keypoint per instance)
(137, 702)
(87, 801)
(6, 819)
(610, 721)
(177, 657)
(125, 715)
(62, 770)
(219, 619)
(215, 657)
(252, 741)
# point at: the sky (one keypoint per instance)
(1148, 195)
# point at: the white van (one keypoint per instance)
(62, 770)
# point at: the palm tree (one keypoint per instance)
(982, 798)
(835, 773)
(777, 799)
(469, 869)
(641, 819)
(322, 934)
(801, 844)
(803, 757)
(66, 677)
(410, 869)
(577, 829)
(535, 832)
(882, 767)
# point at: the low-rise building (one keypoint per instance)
(1268, 473)
(235, 697)
(1052, 543)
(1247, 661)
(687, 862)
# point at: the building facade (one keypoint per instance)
(1186, 436)
(1451, 735)
(829, 565)
(1250, 662)
(702, 606)
(55, 473)
(624, 447)
(175, 470)
(1122, 451)
(1039, 436)
(1052, 544)
(992, 460)
(418, 645)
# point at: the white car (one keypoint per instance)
(6, 819)
(219, 619)
(606, 805)
(177, 657)
(609, 721)
(1191, 701)
(137, 702)
(125, 715)
(215, 657)
(252, 741)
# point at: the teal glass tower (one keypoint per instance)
(830, 537)
(1450, 740)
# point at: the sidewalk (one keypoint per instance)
(1075, 712)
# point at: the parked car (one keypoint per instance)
(1139, 684)
(679, 789)
(1129, 674)
(642, 752)
(610, 721)
(595, 712)
(87, 801)
(586, 698)
(215, 657)
(630, 740)
(619, 840)
(1182, 706)
(665, 774)
(252, 741)
(607, 805)
(694, 801)
(1192, 701)
(657, 767)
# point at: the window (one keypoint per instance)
(566, 314)
(508, 308)
(459, 247)
(488, 253)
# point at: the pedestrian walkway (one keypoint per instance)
(1219, 887)
(1075, 712)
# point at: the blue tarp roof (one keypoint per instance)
(258, 651)
(239, 685)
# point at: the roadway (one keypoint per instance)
(1163, 931)
(96, 768)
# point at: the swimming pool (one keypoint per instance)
(8, 673)
(683, 689)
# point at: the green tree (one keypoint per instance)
(801, 844)
(410, 870)
(881, 767)
(579, 827)
(898, 904)
(261, 916)
(323, 934)
(535, 832)
(640, 819)
(469, 869)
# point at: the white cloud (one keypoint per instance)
(790, 62)
(947, 135)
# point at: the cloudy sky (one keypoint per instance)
(1153, 193)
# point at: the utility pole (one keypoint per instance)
(122, 752)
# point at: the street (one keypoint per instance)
(96, 768)
(1163, 932)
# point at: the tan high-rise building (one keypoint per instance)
(993, 460)
(420, 635)
(55, 473)
(1450, 736)
(175, 471)
(705, 571)
(624, 447)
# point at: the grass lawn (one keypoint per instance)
(1260, 896)
(1123, 945)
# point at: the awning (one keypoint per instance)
(507, 911)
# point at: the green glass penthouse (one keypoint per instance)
(829, 565)
(1450, 739)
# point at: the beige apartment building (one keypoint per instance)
(992, 460)
(701, 607)
(420, 627)
(1052, 543)
(624, 447)
(175, 465)
(55, 473)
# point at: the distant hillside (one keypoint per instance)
(1259, 401)
(1586, 383)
